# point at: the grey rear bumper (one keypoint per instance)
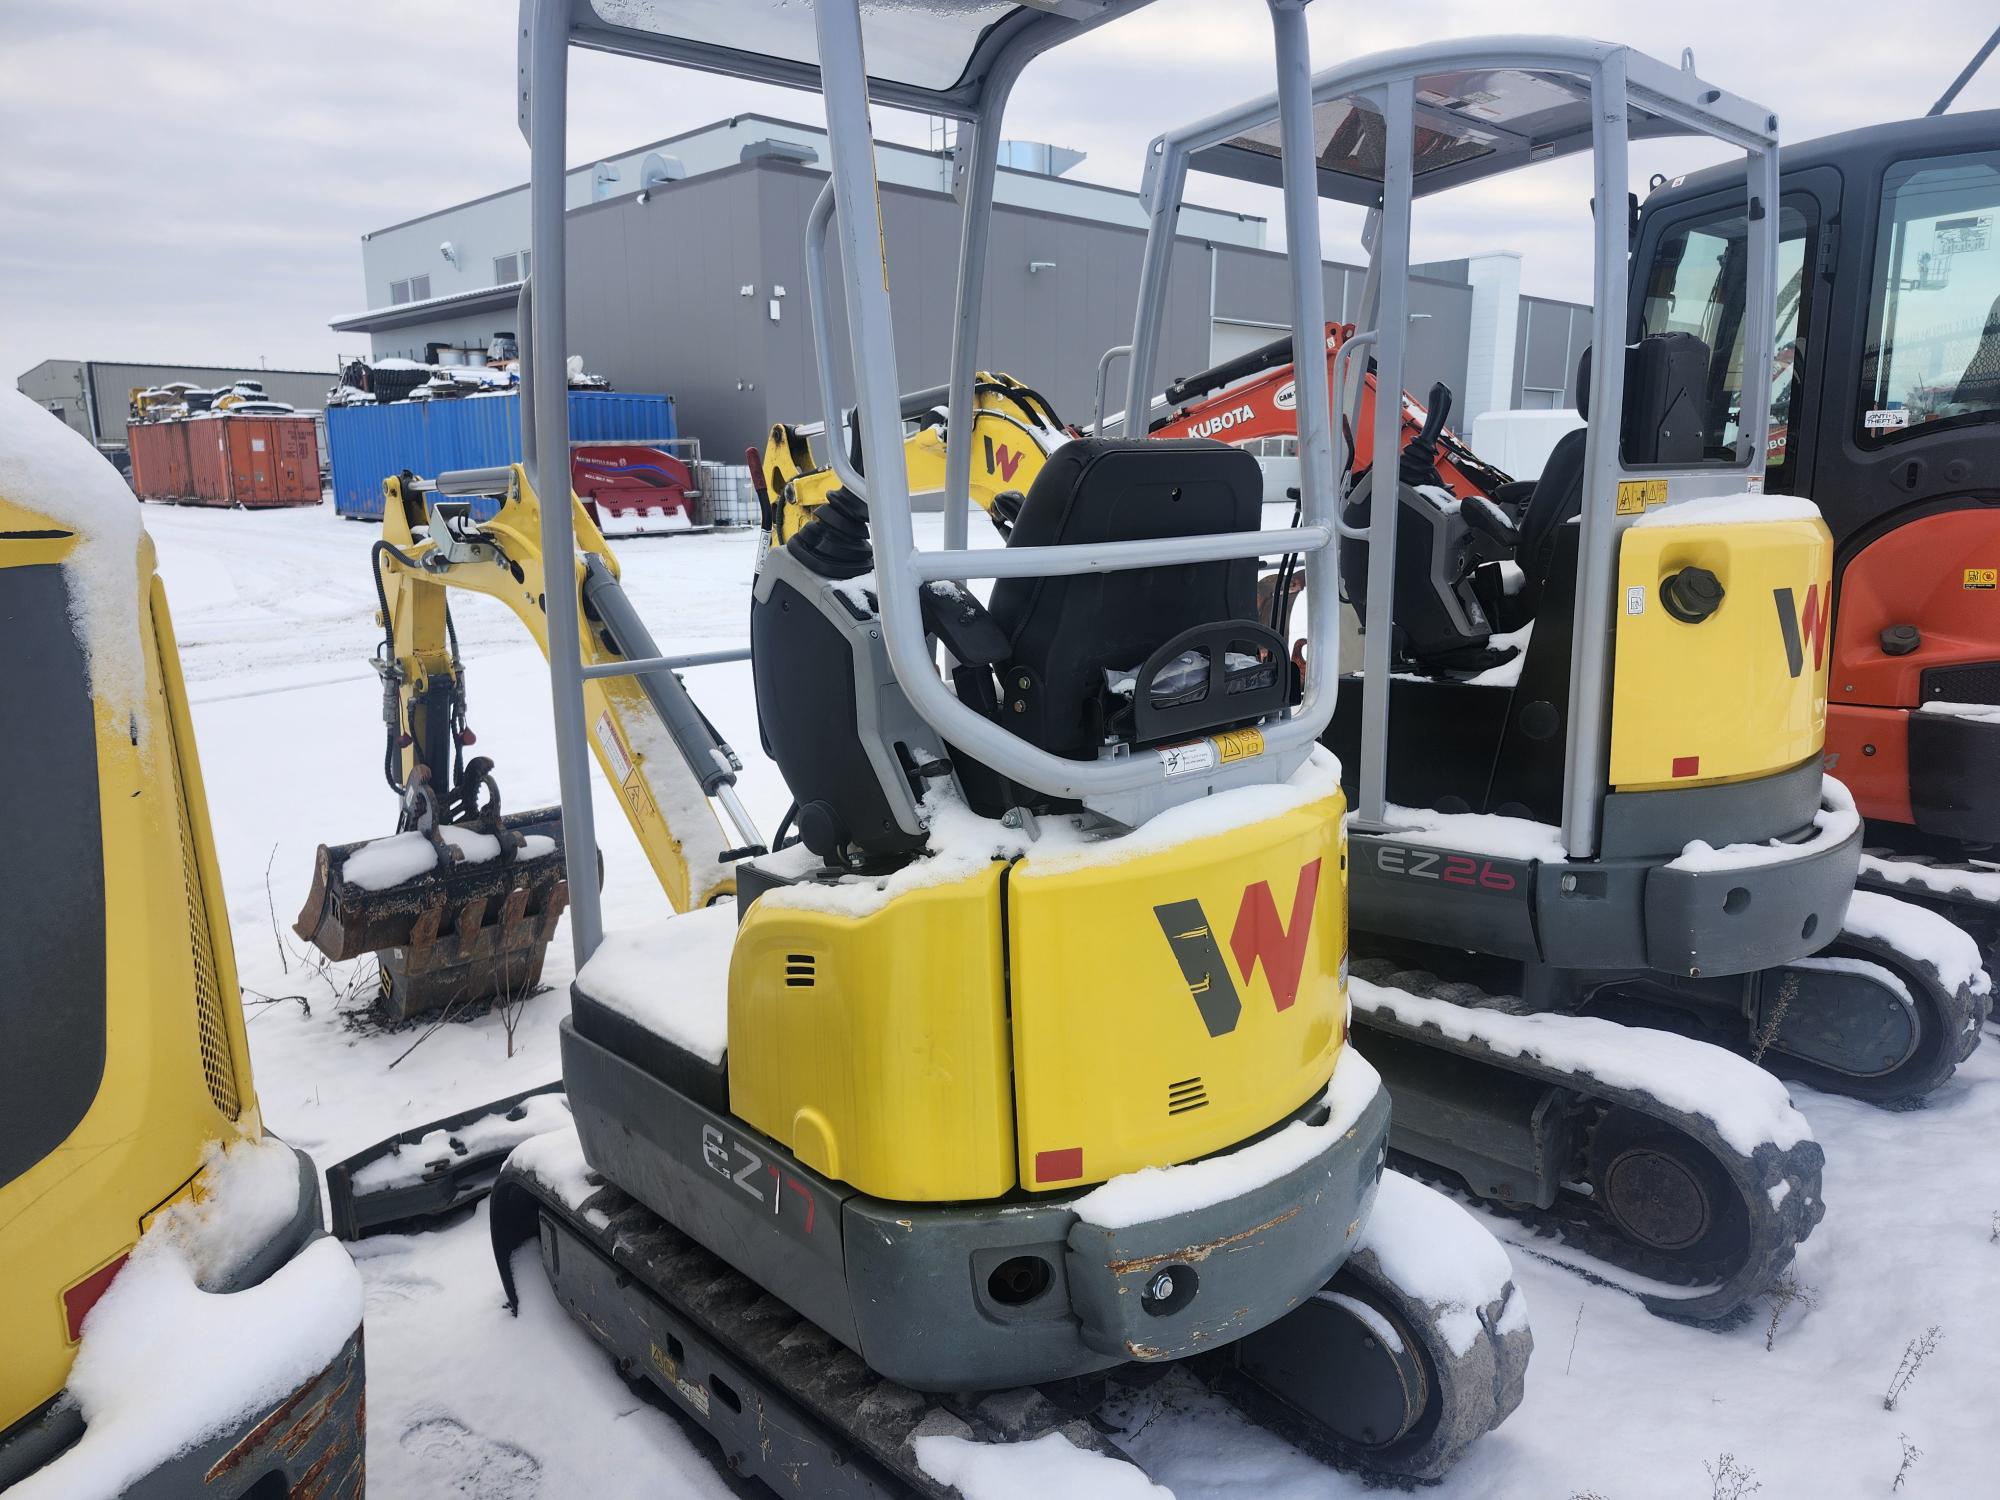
(313, 1437)
(1632, 913)
(981, 1296)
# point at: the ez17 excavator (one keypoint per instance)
(125, 1068)
(1021, 1068)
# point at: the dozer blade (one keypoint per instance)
(436, 1169)
(454, 934)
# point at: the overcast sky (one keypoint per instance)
(190, 182)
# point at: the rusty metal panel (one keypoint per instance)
(159, 460)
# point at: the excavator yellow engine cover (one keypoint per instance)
(1048, 1022)
(1741, 692)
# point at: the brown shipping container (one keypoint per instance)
(254, 461)
(159, 460)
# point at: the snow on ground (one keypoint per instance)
(274, 614)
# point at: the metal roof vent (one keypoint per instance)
(656, 169)
(796, 152)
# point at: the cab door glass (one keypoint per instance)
(1933, 353)
(1696, 285)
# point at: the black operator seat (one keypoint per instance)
(1664, 377)
(1558, 495)
(1071, 641)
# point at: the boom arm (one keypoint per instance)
(1266, 407)
(655, 747)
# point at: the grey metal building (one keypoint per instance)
(696, 287)
(94, 396)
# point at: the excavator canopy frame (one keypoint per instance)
(1399, 125)
(957, 58)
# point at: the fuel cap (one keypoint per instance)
(1691, 595)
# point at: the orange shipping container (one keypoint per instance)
(159, 453)
(253, 461)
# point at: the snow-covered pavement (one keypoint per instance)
(274, 612)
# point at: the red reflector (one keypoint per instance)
(1687, 765)
(81, 1298)
(1059, 1166)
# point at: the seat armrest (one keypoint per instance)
(962, 623)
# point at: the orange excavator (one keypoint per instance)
(1255, 395)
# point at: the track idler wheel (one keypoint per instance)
(1371, 1376)
(1664, 1192)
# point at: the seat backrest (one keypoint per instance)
(1065, 632)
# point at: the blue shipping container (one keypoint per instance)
(368, 444)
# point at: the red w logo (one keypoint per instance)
(1259, 936)
(1002, 462)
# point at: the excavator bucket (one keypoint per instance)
(451, 933)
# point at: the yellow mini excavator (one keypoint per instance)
(1014, 1068)
(1014, 429)
(123, 1062)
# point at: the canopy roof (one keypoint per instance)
(929, 55)
(1482, 106)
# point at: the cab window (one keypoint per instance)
(1933, 351)
(52, 955)
(1696, 285)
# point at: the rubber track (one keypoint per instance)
(1790, 1175)
(1957, 1015)
(882, 1419)
(1976, 914)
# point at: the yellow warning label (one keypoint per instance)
(1240, 744)
(1634, 495)
(1982, 578)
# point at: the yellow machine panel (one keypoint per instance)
(141, 988)
(875, 1046)
(1174, 1004)
(1740, 693)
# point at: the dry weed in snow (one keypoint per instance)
(1768, 1032)
(1730, 1480)
(1781, 1296)
(1915, 1353)
(1911, 1453)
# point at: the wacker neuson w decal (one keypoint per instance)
(1260, 936)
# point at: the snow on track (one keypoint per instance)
(274, 614)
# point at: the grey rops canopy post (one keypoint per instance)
(1403, 125)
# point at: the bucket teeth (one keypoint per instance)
(459, 934)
